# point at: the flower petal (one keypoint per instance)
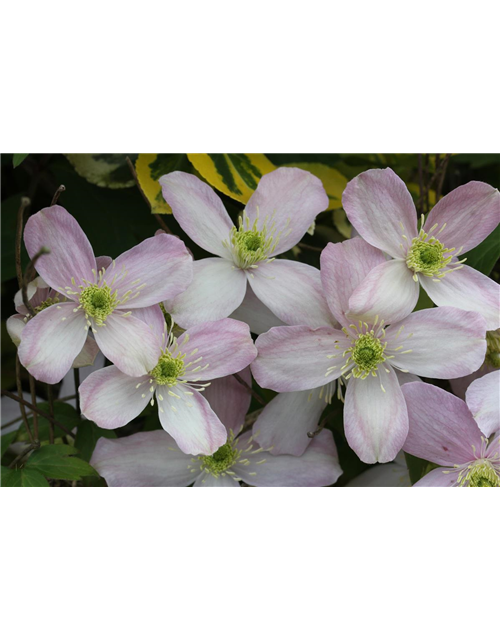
(87, 355)
(112, 399)
(51, 341)
(467, 289)
(32, 289)
(293, 292)
(217, 289)
(103, 262)
(153, 317)
(129, 343)
(459, 386)
(223, 347)
(148, 459)
(71, 255)
(255, 313)
(483, 399)
(382, 475)
(198, 210)
(289, 199)
(444, 342)
(471, 212)
(191, 422)
(388, 291)
(442, 429)
(344, 265)
(295, 358)
(376, 421)
(317, 467)
(438, 478)
(208, 480)
(285, 421)
(157, 268)
(381, 208)
(230, 400)
(15, 325)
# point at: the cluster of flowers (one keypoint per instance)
(348, 328)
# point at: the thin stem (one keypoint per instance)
(303, 245)
(25, 202)
(33, 401)
(55, 198)
(321, 426)
(43, 251)
(247, 386)
(427, 189)
(444, 166)
(30, 447)
(162, 224)
(39, 411)
(420, 186)
(20, 393)
(50, 397)
(76, 374)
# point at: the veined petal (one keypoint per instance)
(438, 343)
(459, 386)
(287, 200)
(230, 400)
(198, 210)
(375, 419)
(87, 355)
(103, 262)
(32, 289)
(442, 429)
(219, 348)
(208, 480)
(153, 317)
(295, 358)
(439, 478)
(388, 291)
(293, 292)
(467, 289)
(483, 400)
(148, 459)
(218, 288)
(51, 341)
(71, 255)
(381, 208)
(317, 467)
(344, 265)
(112, 399)
(255, 313)
(471, 212)
(382, 475)
(191, 422)
(15, 325)
(285, 421)
(158, 268)
(129, 343)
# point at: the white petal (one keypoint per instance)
(483, 399)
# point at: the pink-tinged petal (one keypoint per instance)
(293, 292)
(442, 343)
(157, 268)
(388, 291)
(87, 355)
(103, 262)
(208, 480)
(148, 459)
(112, 399)
(153, 317)
(404, 378)
(198, 210)
(285, 421)
(442, 429)
(344, 265)
(255, 313)
(376, 421)
(290, 199)
(483, 399)
(191, 422)
(230, 400)
(295, 358)
(460, 385)
(15, 326)
(51, 341)
(381, 208)
(32, 289)
(493, 450)
(129, 343)
(382, 475)
(467, 289)
(71, 255)
(471, 212)
(217, 289)
(439, 478)
(220, 349)
(317, 467)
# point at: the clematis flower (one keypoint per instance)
(102, 299)
(153, 458)
(439, 343)
(451, 433)
(381, 208)
(41, 296)
(491, 363)
(276, 217)
(392, 474)
(180, 370)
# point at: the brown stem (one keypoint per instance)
(444, 166)
(76, 374)
(25, 202)
(43, 251)
(33, 401)
(303, 245)
(427, 183)
(321, 426)
(39, 411)
(55, 198)
(30, 447)
(247, 386)
(20, 393)
(50, 397)
(420, 186)
(162, 224)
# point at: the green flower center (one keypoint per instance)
(493, 348)
(367, 353)
(250, 245)
(98, 302)
(168, 369)
(47, 303)
(221, 460)
(426, 256)
(482, 474)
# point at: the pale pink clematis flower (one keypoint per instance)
(438, 343)
(454, 434)
(153, 458)
(102, 299)
(491, 363)
(381, 208)
(181, 369)
(276, 217)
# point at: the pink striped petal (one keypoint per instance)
(87, 355)
(439, 478)
(207, 480)
(255, 313)
(483, 399)
(154, 318)
(230, 400)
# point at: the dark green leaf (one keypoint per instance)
(87, 436)
(63, 412)
(54, 462)
(418, 468)
(18, 158)
(22, 478)
(485, 255)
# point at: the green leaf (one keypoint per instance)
(22, 478)
(63, 412)
(18, 158)
(418, 468)
(485, 255)
(104, 169)
(7, 440)
(150, 167)
(56, 461)
(87, 436)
